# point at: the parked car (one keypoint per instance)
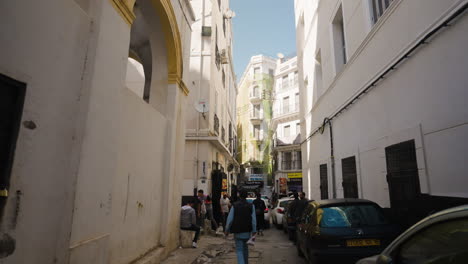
(278, 212)
(266, 213)
(343, 231)
(441, 238)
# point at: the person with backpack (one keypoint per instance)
(242, 223)
(259, 210)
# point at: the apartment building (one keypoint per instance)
(93, 99)
(383, 89)
(254, 115)
(210, 137)
(286, 151)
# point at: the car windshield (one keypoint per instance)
(351, 216)
(283, 203)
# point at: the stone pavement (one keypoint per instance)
(273, 248)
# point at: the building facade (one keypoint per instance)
(254, 113)
(210, 127)
(286, 154)
(93, 96)
(383, 101)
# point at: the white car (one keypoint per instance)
(277, 213)
(266, 213)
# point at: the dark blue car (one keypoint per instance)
(343, 231)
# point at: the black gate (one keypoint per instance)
(323, 181)
(403, 181)
(11, 108)
(350, 184)
(216, 189)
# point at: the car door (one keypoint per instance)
(441, 243)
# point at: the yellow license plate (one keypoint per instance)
(362, 242)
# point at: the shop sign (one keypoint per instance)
(295, 175)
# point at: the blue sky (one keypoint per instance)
(262, 27)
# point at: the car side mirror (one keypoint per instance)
(382, 259)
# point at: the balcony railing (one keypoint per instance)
(285, 110)
(291, 165)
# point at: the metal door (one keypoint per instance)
(323, 181)
(350, 185)
(11, 107)
(403, 181)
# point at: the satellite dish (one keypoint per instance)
(229, 14)
(202, 106)
(280, 55)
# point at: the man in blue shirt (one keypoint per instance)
(243, 224)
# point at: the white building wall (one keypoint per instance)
(204, 145)
(100, 166)
(423, 99)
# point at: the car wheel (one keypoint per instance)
(299, 251)
(278, 226)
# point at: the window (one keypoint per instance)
(224, 79)
(216, 102)
(287, 131)
(285, 82)
(352, 216)
(350, 184)
(256, 92)
(257, 72)
(287, 160)
(256, 131)
(271, 72)
(440, 243)
(377, 8)
(218, 57)
(286, 105)
(298, 128)
(297, 160)
(296, 102)
(256, 111)
(339, 43)
(318, 76)
(224, 26)
(296, 79)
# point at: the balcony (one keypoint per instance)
(255, 97)
(256, 118)
(286, 110)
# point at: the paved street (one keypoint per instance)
(274, 247)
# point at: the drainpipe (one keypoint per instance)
(200, 80)
(332, 156)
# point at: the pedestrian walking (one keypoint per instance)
(188, 220)
(259, 211)
(202, 208)
(209, 212)
(224, 204)
(243, 224)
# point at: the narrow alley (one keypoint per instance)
(273, 248)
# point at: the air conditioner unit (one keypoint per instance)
(224, 57)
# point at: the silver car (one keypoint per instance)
(277, 213)
(441, 238)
